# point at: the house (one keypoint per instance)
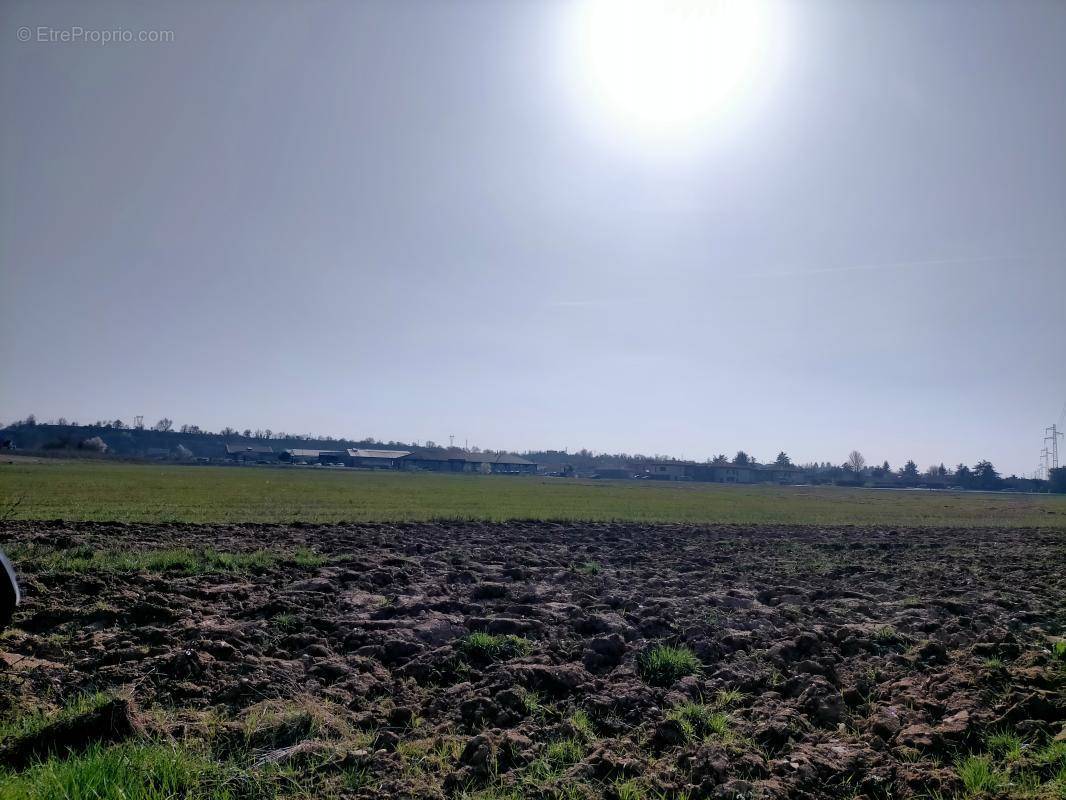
(250, 453)
(707, 473)
(375, 459)
(667, 470)
(301, 456)
(506, 463)
(450, 461)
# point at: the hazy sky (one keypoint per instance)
(415, 219)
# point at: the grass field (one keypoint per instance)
(138, 493)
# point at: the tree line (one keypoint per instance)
(853, 471)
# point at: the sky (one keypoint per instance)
(834, 226)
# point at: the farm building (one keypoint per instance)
(375, 459)
(496, 463)
(724, 473)
(301, 456)
(721, 473)
(250, 453)
(668, 471)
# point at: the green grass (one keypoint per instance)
(587, 568)
(582, 724)
(558, 756)
(147, 493)
(700, 720)
(980, 776)
(1005, 744)
(180, 560)
(1058, 651)
(663, 664)
(124, 772)
(728, 697)
(564, 752)
(27, 725)
(491, 647)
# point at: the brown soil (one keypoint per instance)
(866, 658)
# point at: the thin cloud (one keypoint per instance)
(932, 262)
(575, 303)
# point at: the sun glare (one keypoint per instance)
(667, 70)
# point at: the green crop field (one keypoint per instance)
(74, 490)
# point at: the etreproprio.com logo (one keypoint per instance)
(76, 34)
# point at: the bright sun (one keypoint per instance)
(667, 69)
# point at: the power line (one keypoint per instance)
(1054, 449)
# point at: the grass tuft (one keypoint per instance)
(1005, 744)
(564, 752)
(980, 776)
(490, 647)
(700, 720)
(582, 725)
(663, 665)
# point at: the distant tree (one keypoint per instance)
(783, 460)
(856, 462)
(247, 433)
(1057, 480)
(985, 475)
(163, 425)
(741, 458)
(963, 476)
(886, 467)
(194, 429)
(30, 421)
(909, 471)
(61, 421)
(942, 471)
(118, 425)
(430, 444)
(227, 431)
(720, 459)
